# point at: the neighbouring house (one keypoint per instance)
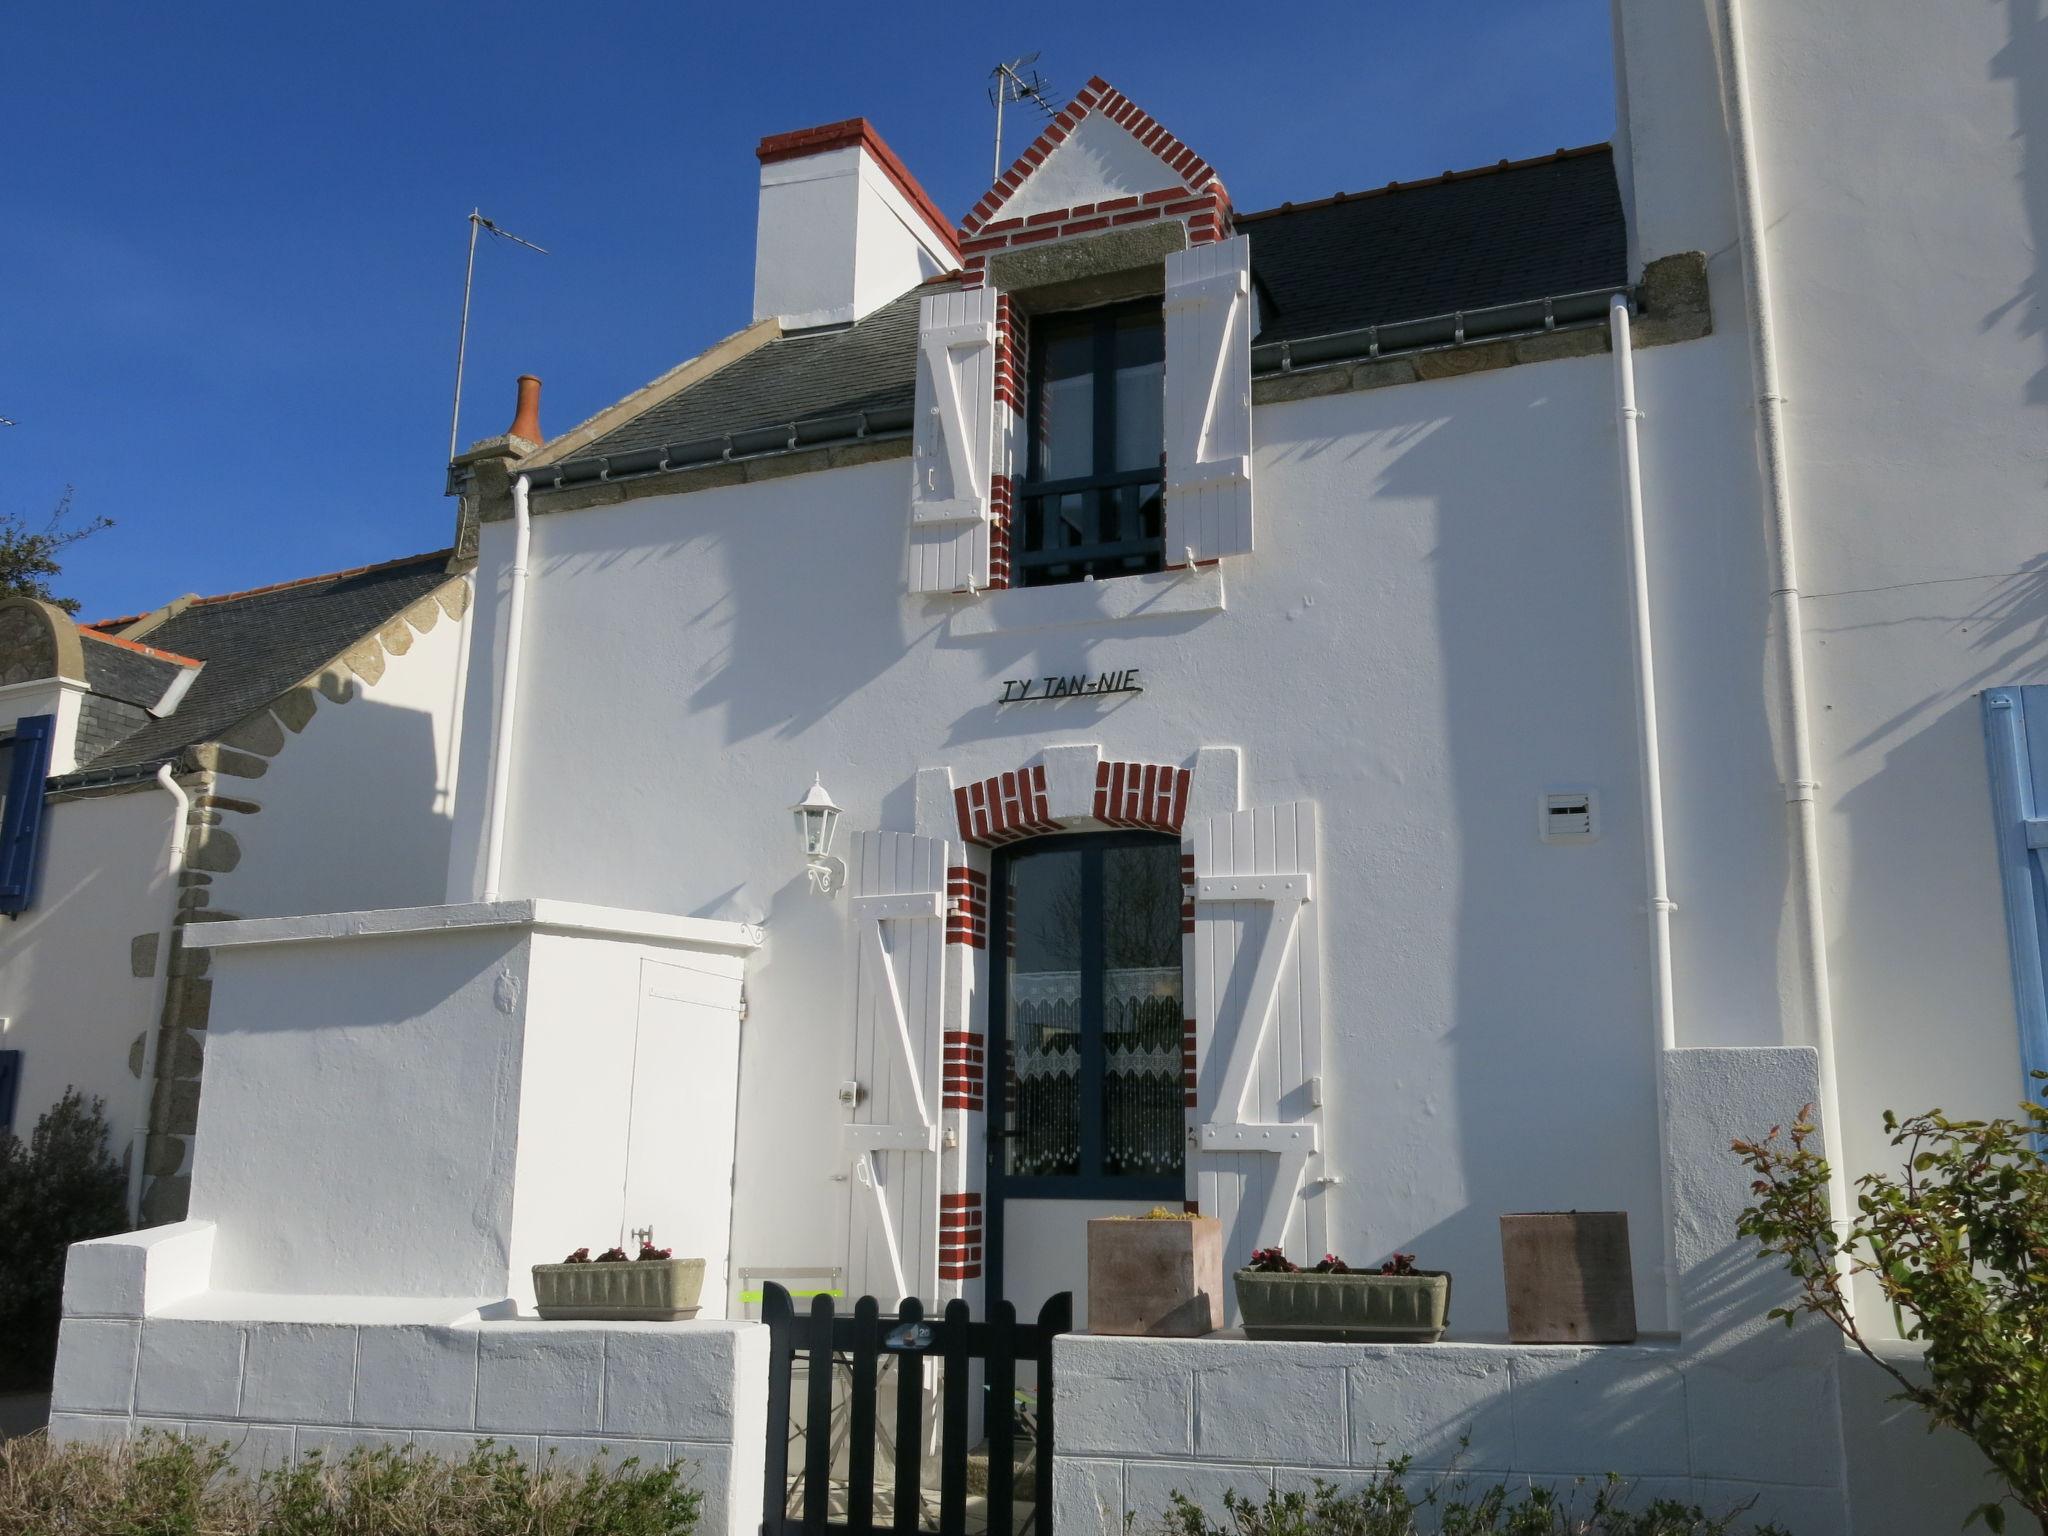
(1357, 717)
(221, 757)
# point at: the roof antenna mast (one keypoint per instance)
(476, 221)
(1016, 81)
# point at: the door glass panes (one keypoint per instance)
(1142, 1111)
(1042, 1098)
(1091, 1017)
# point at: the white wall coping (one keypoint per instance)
(524, 912)
(289, 1307)
(1156, 595)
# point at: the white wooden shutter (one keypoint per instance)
(891, 1138)
(1209, 402)
(1258, 1029)
(953, 448)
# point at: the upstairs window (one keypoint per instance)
(1090, 503)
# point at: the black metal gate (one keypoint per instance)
(830, 1345)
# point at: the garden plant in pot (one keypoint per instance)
(656, 1287)
(1394, 1304)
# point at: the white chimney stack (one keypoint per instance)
(844, 228)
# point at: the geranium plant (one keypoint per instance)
(1957, 1245)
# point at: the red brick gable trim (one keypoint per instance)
(859, 132)
(1100, 97)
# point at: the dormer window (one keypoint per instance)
(1090, 501)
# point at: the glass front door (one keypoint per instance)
(1086, 1012)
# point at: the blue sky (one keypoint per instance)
(231, 235)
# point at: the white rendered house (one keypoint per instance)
(1359, 717)
(223, 756)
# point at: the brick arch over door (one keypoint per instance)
(1009, 807)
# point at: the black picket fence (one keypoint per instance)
(828, 1343)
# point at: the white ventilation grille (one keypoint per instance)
(1568, 816)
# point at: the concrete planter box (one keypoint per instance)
(656, 1291)
(1352, 1309)
(1569, 1277)
(1158, 1277)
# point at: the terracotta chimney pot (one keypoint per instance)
(526, 420)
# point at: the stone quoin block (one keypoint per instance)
(452, 1445)
(89, 1428)
(1134, 1400)
(333, 1444)
(539, 1379)
(1149, 1486)
(1765, 1425)
(416, 1377)
(299, 1373)
(1087, 1496)
(1808, 1511)
(1407, 1401)
(732, 1494)
(1589, 1410)
(103, 1279)
(189, 1369)
(670, 1383)
(1273, 1406)
(583, 1451)
(95, 1366)
(252, 1448)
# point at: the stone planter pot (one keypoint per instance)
(1569, 1277)
(1159, 1277)
(656, 1291)
(1351, 1309)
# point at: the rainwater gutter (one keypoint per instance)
(508, 698)
(1658, 884)
(1793, 715)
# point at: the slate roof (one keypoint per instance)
(1472, 240)
(134, 674)
(1525, 230)
(258, 644)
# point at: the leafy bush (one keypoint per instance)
(58, 1188)
(166, 1486)
(1385, 1506)
(1958, 1246)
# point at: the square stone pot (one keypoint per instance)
(1346, 1309)
(649, 1291)
(1160, 1277)
(1569, 1277)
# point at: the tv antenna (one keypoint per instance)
(476, 222)
(1016, 81)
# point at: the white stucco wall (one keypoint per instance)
(427, 1102)
(1432, 632)
(1905, 192)
(69, 991)
(356, 808)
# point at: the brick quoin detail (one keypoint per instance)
(960, 1237)
(965, 1070)
(1005, 808)
(1153, 796)
(967, 907)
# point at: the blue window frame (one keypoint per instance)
(10, 1087)
(2016, 729)
(24, 765)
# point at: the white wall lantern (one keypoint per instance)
(817, 819)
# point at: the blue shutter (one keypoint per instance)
(10, 1087)
(22, 826)
(2016, 726)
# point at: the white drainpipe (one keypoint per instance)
(508, 700)
(1626, 416)
(152, 1028)
(1793, 714)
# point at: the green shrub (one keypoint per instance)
(166, 1486)
(59, 1187)
(1386, 1506)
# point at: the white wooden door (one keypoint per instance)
(892, 1135)
(1254, 957)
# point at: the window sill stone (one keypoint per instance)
(1161, 594)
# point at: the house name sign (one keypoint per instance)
(1078, 685)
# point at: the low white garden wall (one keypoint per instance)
(144, 1345)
